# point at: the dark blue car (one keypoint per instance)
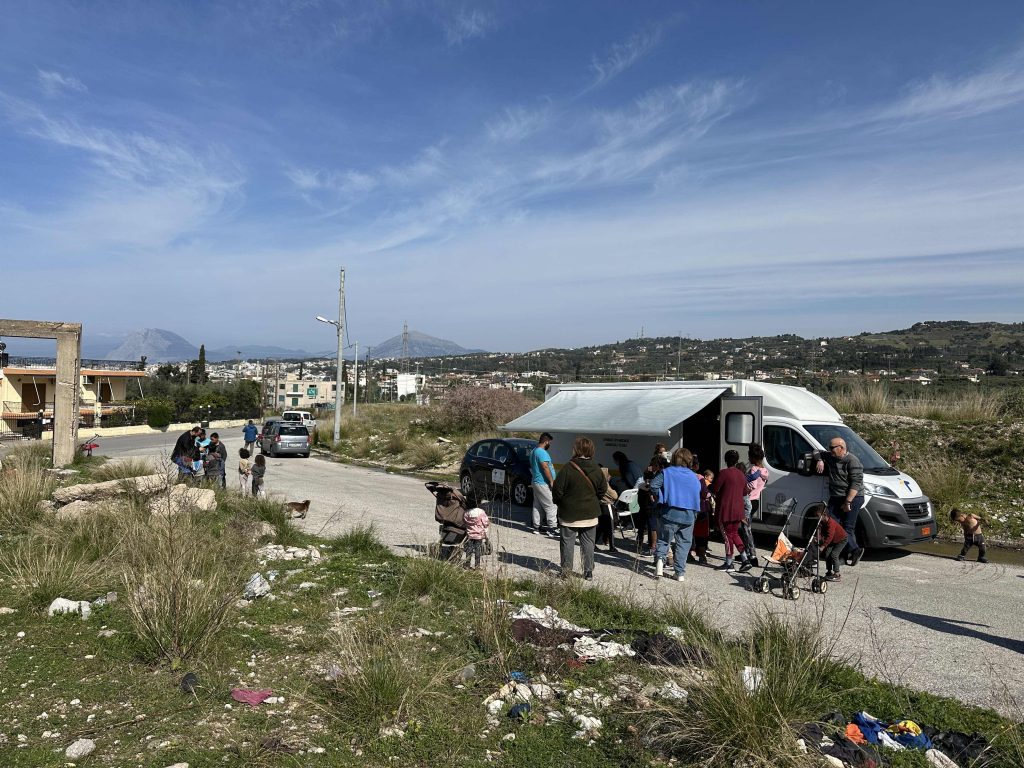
(498, 467)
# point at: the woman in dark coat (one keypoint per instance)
(577, 493)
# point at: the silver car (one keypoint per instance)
(282, 437)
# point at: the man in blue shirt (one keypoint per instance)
(545, 513)
(249, 434)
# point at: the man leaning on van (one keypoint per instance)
(845, 491)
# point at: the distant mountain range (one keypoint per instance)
(162, 346)
(420, 345)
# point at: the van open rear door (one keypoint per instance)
(740, 424)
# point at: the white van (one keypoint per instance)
(712, 417)
(304, 417)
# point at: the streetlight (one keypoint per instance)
(339, 388)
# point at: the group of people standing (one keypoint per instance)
(679, 506)
(202, 458)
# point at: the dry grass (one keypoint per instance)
(181, 581)
(866, 397)
(122, 469)
(425, 454)
(944, 480)
(42, 570)
(389, 679)
(724, 724)
(23, 484)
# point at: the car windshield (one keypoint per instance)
(855, 444)
(523, 450)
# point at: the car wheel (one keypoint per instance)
(466, 484)
(273, 452)
(520, 493)
(304, 455)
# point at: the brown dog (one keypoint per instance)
(297, 508)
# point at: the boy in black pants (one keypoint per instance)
(972, 534)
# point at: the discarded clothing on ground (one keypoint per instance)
(594, 649)
(662, 650)
(252, 698)
(840, 747)
(909, 734)
(548, 617)
(533, 632)
(939, 759)
(869, 726)
(963, 748)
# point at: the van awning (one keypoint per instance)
(622, 411)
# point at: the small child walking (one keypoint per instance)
(831, 538)
(972, 534)
(258, 471)
(477, 524)
(244, 471)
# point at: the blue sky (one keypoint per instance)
(511, 175)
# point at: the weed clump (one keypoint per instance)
(42, 570)
(182, 580)
(424, 454)
(122, 470)
(362, 541)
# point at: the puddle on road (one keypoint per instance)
(951, 549)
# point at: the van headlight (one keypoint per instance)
(878, 490)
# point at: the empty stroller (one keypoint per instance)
(450, 513)
(791, 564)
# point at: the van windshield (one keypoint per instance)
(855, 444)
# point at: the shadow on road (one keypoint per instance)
(955, 627)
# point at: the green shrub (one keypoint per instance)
(396, 443)
(363, 541)
(159, 413)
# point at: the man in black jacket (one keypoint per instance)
(186, 445)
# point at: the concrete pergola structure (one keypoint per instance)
(69, 361)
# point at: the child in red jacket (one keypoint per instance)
(831, 541)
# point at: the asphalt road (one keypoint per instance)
(928, 622)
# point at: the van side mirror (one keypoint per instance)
(805, 465)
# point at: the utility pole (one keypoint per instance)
(679, 356)
(339, 386)
(355, 382)
(339, 392)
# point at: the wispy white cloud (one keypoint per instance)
(468, 24)
(996, 87)
(623, 55)
(144, 189)
(55, 84)
(515, 124)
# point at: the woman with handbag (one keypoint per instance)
(577, 493)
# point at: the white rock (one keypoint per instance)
(495, 706)
(671, 690)
(107, 632)
(61, 605)
(21, 634)
(542, 691)
(183, 498)
(178, 765)
(4, 611)
(257, 586)
(81, 748)
(307, 585)
(110, 488)
(76, 509)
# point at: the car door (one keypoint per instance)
(501, 465)
(483, 462)
(787, 489)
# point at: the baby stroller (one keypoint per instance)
(791, 564)
(450, 513)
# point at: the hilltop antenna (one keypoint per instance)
(405, 347)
